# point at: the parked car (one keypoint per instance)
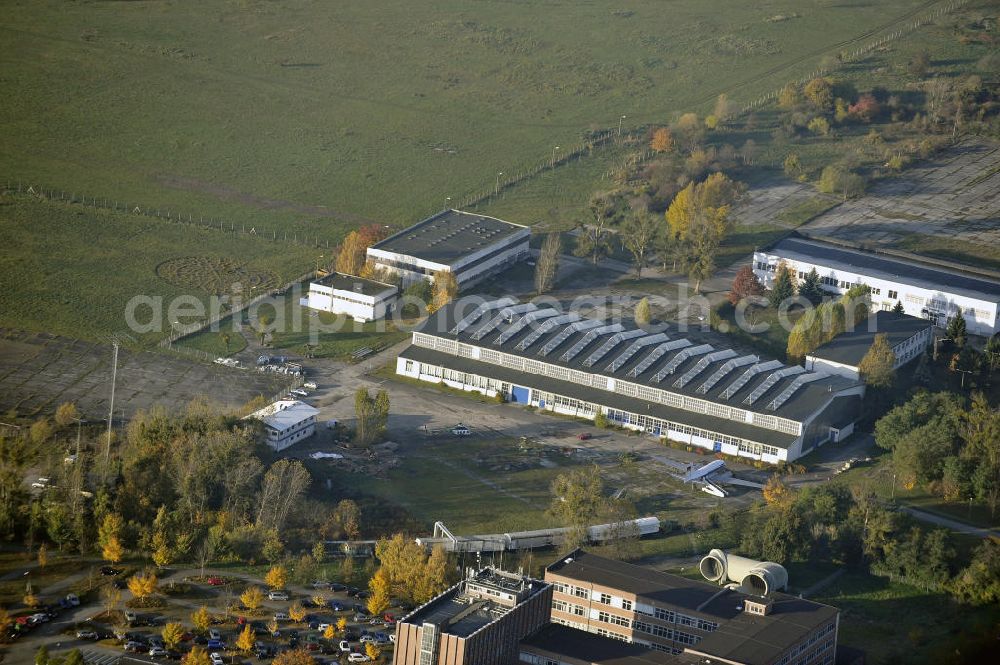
(135, 647)
(216, 658)
(309, 385)
(214, 634)
(298, 392)
(215, 580)
(337, 586)
(39, 617)
(216, 644)
(86, 634)
(109, 571)
(261, 650)
(461, 430)
(367, 638)
(584, 436)
(157, 652)
(345, 646)
(72, 599)
(280, 616)
(130, 616)
(320, 584)
(277, 595)
(357, 658)
(360, 617)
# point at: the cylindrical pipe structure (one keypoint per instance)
(758, 577)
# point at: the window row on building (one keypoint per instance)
(665, 633)
(614, 385)
(670, 616)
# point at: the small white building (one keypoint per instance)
(361, 299)
(286, 422)
(908, 336)
(469, 245)
(926, 291)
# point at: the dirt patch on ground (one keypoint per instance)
(225, 193)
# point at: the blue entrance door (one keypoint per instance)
(519, 395)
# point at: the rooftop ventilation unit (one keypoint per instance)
(582, 343)
(545, 329)
(481, 309)
(610, 344)
(800, 380)
(726, 368)
(565, 333)
(521, 323)
(676, 361)
(761, 578)
(744, 378)
(702, 365)
(658, 353)
(769, 382)
(633, 349)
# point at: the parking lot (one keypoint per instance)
(131, 642)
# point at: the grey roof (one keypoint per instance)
(746, 638)
(564, 642)
(887, 267)
(661, 365)
(452, 612)
(361, 285)
(449, 235)
(603, 397)
(850, 347)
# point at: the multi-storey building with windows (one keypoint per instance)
(927, 291)
(669, 619)
(907, 336)
(479, 621)
(286, 422)
(468, 245)
(669, 384)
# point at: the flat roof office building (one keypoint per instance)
(926, 291)
(469, 245)
(907, 336)
(479, 621)
(671, 619)
(361, 299)
(670, 385)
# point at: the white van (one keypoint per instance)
(278, 595)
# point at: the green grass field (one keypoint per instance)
(70, 270)
(313, 115)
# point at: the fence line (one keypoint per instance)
(211, 223)
(860, 52)
(220, 316)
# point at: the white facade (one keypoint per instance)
(674, 431)
(905, 352)
(469, 245)
(933, 299)
(359, 306)
(286, 422)
(468, 270)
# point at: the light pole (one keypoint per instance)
(554, 150)
(620, 120)
(447, 203)
(497, 191)
(893, 495)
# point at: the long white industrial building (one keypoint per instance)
(929, 292)
(670, 385)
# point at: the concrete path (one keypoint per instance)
(948, 523)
